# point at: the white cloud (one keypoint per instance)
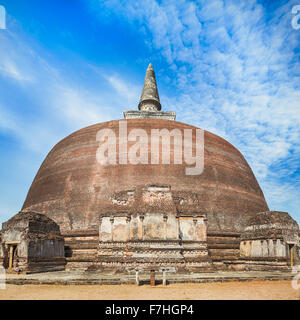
(128, 91)
(9, 69)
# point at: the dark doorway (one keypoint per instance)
(68, 252)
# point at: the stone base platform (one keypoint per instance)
(89, 278)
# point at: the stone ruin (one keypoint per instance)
(31, 242)
(144, 229)
(270, 241)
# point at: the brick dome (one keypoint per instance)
(72, 188)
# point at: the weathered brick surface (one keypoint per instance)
(71, 187)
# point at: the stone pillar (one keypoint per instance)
(205, 227)
(152, 278)
(100, 225)
(178, 228)
(265, 252)
(112, 226)
(292, 256)
(128, 219)
(284, 251)
(137, 278)
(195, 226)
(274, 247)
(142, 221)
(11, 251)
(164, 277)
(252, 252)
(165, 226)
(279, 249)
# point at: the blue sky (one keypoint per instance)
(230, 67)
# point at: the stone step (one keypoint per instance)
(223, 234)
(229, 242)
(82, 245)
(222, 258)
(87, 258)
(80, 233)
(223, 251)
(223, 246)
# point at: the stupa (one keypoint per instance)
(123, 215)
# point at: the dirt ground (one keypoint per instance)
(267, 290)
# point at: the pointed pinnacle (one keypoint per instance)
(150, 99)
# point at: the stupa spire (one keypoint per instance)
(149, 106)
(150, 99)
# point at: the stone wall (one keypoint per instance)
(152, 241)
(263, 248)
(31, 242)
(269, 242)
(152, 227)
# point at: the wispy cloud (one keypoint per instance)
(128, 91)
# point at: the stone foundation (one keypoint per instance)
(81, 248)
(181, 256)
(135, 114)
(158, 241)
(151, 241)
(223, 248)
